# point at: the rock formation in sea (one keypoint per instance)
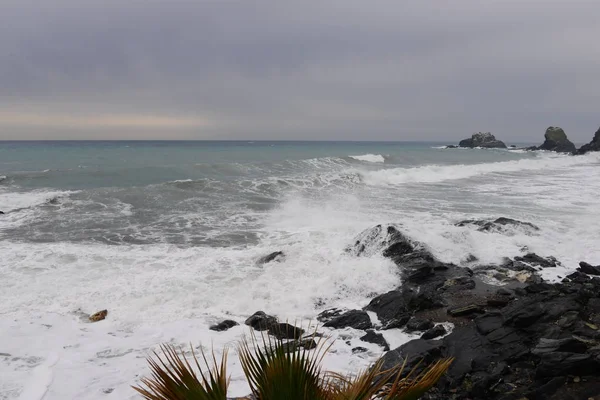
(556, 140)
(594, 145)
(482, 139)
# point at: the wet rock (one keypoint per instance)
(416, 324)
(498, 225)
(99, 316)
(533, 259)
(1, 212)
(594, 145)
(350, 319)
(565, 363)
(452, 146)
(556, 140)
(588, 269)
(434, 332)
(260, 321)
(359, 349)
(390, 306)
(275, 256)
(329, 314)
(376, 338)
(223, 326)
(466, 310)
(482, 139)
(306, 343)
(285, 331)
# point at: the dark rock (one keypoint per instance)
(564, 363)
(482, 139)
(275, 256)
(285, 331)
(359, 349)
(533, 259)
(294, 345)
(452, 146)
(556, 140)
(389, 306)
(416, 324)
(434, 332)
(396, 323)
(466, 310)
(588, 269)
(329, 314)
(594, 145)
(489, 322)
(458, 284)
(570, 344)
(498, 225)
(376, 338)
(1, 212)
(223, 326)
(353, 319)
(260, 321)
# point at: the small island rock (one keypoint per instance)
(483, 139)
(556, 140)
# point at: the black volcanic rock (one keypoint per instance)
(353, 319)
(376, 338)
(275, 256)
(556, 140)
(482, 139)
(498, 225)
(434, 332)
(589, 269)
(285, 331)
(260, 321)
(223, 326)
(594, 145)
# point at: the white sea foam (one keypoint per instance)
(439, 173)
(373, 158)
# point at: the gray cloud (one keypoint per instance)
(356, 70)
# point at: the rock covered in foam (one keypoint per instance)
(482, 139)
(594, 145)
(501, 225)
(274, 256)
(223, 326)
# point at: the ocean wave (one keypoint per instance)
(439, 173)
(16, 201)
(373, 158)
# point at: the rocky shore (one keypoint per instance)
(513, 335)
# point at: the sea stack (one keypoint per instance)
(556, 140)
(483, 139)
(594, 145)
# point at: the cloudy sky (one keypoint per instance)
(276, 69)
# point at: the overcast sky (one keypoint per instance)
(276, 69)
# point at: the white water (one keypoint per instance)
(165, 293)
(374, 158)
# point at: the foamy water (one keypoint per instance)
(177, 252)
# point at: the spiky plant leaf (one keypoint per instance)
(275, 373)
(363, 386)
(409, 388)
(174, 378)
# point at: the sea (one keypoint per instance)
(166, 236)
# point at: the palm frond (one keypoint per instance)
(174, 378)
(408, 388)
(364, 386)
(275, 373)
